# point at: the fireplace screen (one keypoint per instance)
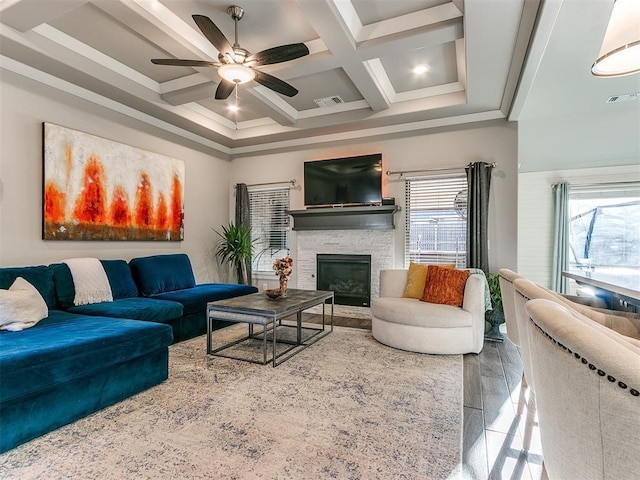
(348, 276)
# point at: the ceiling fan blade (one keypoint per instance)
(213, 34)
(224, 90)
(184, 63)
(275, 84)
(283, 53)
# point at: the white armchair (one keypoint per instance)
(417, 326)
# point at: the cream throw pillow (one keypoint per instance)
(21, 306)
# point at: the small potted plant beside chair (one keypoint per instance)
(495, 317)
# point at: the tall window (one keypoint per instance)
(436, 220)
(269, 226)
(604, 227)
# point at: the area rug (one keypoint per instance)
(347, 407)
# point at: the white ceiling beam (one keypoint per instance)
(190, 94)
(55, 53)
(171, 24)
(377, 132)
(328, 22)
(163, 28)
(537, 46)
(76, 48)
(339, 108)
(106, 102)
(449, 31)
(279, 110)
(26, 15)
(183, 82)
(408, 22)
(489, 49)
(527, 23)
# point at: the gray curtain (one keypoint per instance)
(560, 237)
(479, 185)
(243, 217)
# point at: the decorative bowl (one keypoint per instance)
(273, 294)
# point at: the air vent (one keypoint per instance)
(328, 101)
(623, 98)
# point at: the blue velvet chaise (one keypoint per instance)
(81, 359)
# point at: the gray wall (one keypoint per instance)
(25, 105)
(494, 142)
(209, 180)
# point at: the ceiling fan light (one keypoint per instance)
(620, 51)
(236, 73)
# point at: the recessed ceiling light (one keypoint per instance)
(233, 108)
(418, 69)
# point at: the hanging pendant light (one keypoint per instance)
(620, 51)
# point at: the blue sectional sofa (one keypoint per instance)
(158, 288)
(170, 278)
(83, 358)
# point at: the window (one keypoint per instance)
(604, 227)
(269, 226)
(436, 220)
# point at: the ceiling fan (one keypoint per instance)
(237, 65)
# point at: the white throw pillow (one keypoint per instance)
(21, 306)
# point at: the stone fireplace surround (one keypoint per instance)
(378, 243)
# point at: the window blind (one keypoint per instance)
(269, 226)
(436, 223)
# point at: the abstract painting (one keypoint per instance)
(98, 189)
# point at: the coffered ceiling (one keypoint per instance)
(361, 51)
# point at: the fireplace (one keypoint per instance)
(348, 276)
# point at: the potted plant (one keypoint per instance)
(494, 317)
(235, 247)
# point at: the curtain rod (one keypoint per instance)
(597, 184)
(402, 172)
(292, 182)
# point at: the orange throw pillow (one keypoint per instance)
(417, 278)
(445, 286)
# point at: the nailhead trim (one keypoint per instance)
(584, 361)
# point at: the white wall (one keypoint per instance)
(496, 142)
(25, 105)
(584, 140)
(535, 213)
(586, 147)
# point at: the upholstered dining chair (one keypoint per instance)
(507, 277)
(507, 292)
(587, 383)
(526, 290)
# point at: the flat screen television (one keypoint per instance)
(343, 181)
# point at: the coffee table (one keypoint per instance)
(257, 309)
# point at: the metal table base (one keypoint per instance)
(256, 309)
